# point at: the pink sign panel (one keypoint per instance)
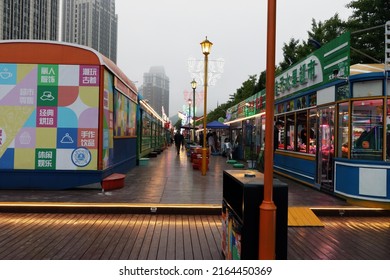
(89, 75)
(46, 116)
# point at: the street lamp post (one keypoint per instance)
(267, 223)
(189, 119)
(193, 85)
(206, 47)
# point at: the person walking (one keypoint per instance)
(211, 142)
(227, 149)
(179, 139)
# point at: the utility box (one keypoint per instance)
(243, 193)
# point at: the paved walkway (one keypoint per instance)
(168, 179)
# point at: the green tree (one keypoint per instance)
(293, 52)
(320, 34)
(247, 89)
(367, 30)
(260, 85)
(324, 32)
(219, 112)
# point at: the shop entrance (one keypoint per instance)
(325, 148)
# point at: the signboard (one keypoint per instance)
(251, 106)
(316, 69)
(49, 116)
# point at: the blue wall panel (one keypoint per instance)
(347, 179)
(299, 168)
(125, 154)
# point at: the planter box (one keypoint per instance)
(114, 181)
(143, 161)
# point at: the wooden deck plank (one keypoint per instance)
(339, 229)
(97, 239)
(203, 238)
(163, 240)
(92, 233)
(76, 237)
(131, 236)
(154, 247)
(172, 241)
(339, 241)
(43, 238)
(361, 243)
(24, 237)
(12, 228)
(8, 219)
(195, 241)
(187, 243)
(62, 240)
(124, 243)
(147, 238)
(135, 251)
(115, 236)
(179, 237)
(55, 237)
(295, 241)
(109, 239)
(326, 246)
(21, 233)
(335, 231)
(214, 240)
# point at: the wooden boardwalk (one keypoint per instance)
(59, 236)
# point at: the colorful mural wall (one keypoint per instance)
(125, 116)
(108, 121)
(49, 117)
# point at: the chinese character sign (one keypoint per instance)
(49, 116)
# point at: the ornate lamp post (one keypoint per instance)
(189, 119)
(193, 85)
(206, 47)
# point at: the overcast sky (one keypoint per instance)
(167, 33)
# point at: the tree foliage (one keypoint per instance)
(367, 28)
(247, 89)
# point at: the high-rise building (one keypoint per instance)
(29, 19)
(91, 23)
(155, 88)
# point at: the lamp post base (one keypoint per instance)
(267, 230)
(204, 161)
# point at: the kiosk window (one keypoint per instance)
(313, 131)
(290, 132)
(281, 135)
(367, 129)
(302, 135)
